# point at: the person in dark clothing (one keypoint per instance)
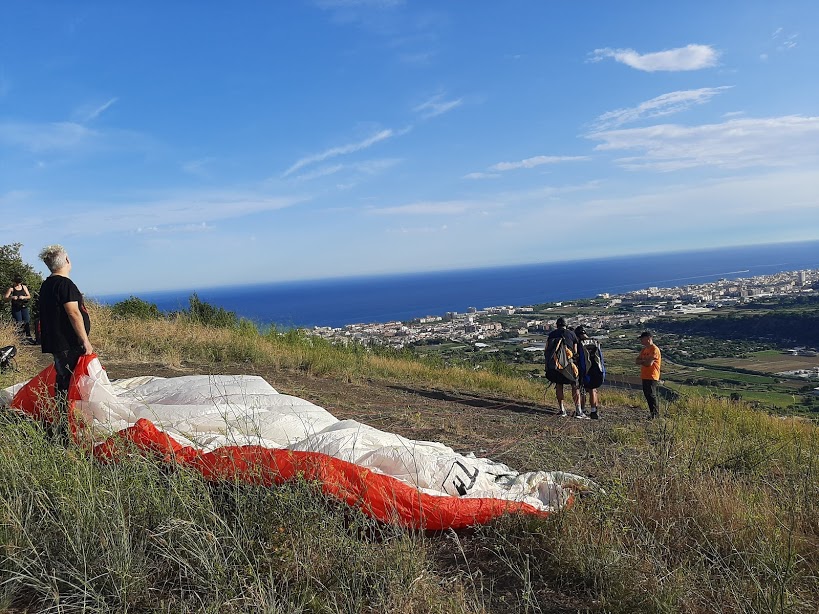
(570, 339)
(64, 321)
(19, 296)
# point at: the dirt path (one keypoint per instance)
(503, 429)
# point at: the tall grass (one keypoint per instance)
(714, 508)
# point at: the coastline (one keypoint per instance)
(341, 302)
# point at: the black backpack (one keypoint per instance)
(7, 354)
(560, 365)
(591, 364)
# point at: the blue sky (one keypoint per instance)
(192, 144)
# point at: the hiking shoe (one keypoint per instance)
(563, 413)
(593, 415)
(580, 415)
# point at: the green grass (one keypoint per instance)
(714, 508)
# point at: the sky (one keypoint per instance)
(185, 145)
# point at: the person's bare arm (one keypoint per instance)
(7, 295)
(28, 294)
(72, 308)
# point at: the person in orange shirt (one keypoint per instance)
(650, 360)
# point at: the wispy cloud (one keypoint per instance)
(48, 137)
(88, 113)
(365, 167)
(418, 230)
(666, 104)
(446, 207)
(342, 150)
(736, 143)
(481, 175)
(534, 162)
(183, 212)
(372, 4)
(176, 229)
(784, 41)
(690, 57)
(437, 106)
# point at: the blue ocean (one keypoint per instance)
(337, 302)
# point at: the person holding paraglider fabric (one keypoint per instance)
(64, 324)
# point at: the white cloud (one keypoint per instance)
(365, 167)
(666, 104)
(533, 162)
(446, 207)
(373, 4)
(437, 106)
(783, 40)
(418, 230)
(736, 143)
(176, 229)
(171, 212)
(41, 138)
(690, 57)
(89, 113)
(343, 150)
(481, 175)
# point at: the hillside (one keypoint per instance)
(711, 509)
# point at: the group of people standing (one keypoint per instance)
(649, 361)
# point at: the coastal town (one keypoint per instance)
(608, 312)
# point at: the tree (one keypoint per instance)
(11, 264)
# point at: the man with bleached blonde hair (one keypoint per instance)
(64, 321)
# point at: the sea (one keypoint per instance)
(351, 300)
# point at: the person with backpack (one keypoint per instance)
(592, 370)
(650, 360)
(561, 369)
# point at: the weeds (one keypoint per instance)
(714, 508)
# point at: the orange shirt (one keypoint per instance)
(652, 372)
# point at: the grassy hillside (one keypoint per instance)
(714, 508)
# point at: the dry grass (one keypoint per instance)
(714, 508)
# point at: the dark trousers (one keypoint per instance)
(650, 390)
(64, 364)
(22, 318)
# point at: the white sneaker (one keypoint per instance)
(579, 414)
(563, 413)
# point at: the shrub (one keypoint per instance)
(208, 315)
(134, 307)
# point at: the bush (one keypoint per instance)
(208, 315)
(134, 307)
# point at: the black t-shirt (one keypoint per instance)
(56, 332)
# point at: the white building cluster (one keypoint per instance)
(640, 307)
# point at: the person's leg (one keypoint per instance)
(26, 322)
(650, 392)
(578, 409)
(559, 397)
(64, 364)
(593, 400)
(17, 316)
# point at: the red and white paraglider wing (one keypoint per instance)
(240, 427)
